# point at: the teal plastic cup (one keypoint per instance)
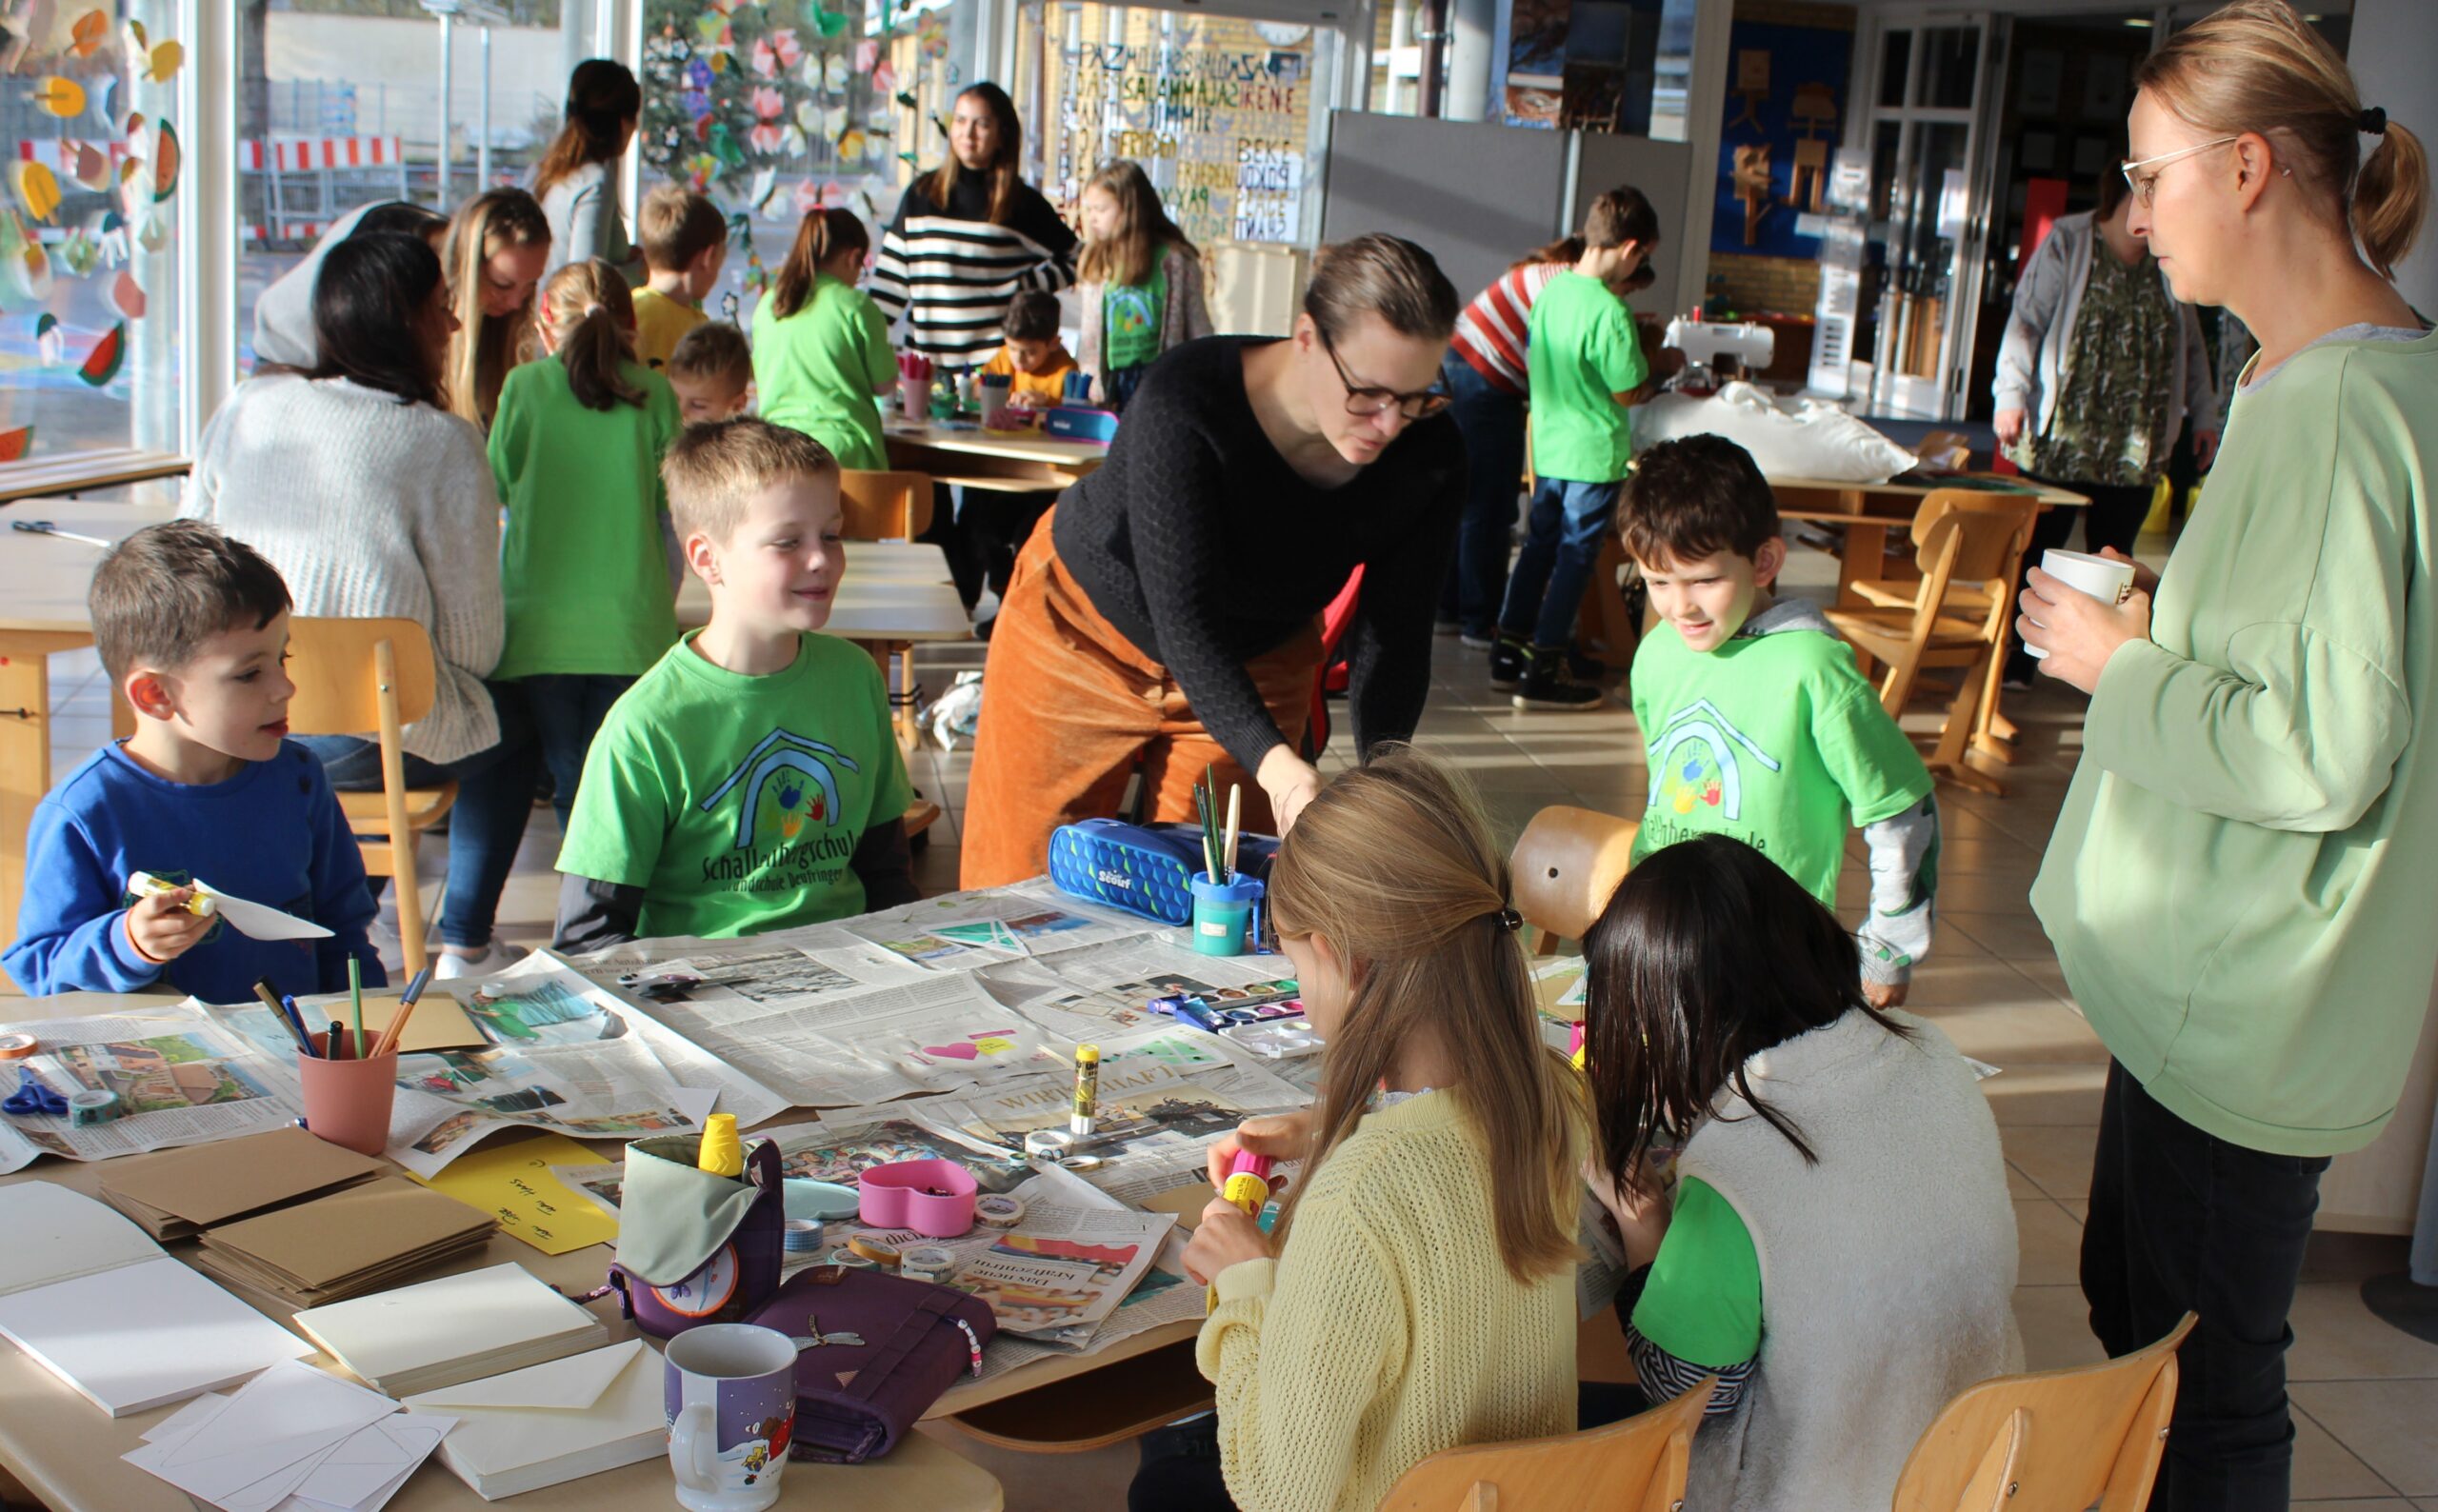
(1223, 914)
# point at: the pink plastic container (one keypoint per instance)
(933, 1198)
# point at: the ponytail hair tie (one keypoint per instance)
(2373, 122)
(1508, 919)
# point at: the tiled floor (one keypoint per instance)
(2365, 1394)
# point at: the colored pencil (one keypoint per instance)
(355, 1003)
(389, 1037)
(1236, 801)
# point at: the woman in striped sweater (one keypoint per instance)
(1484, 372)
(968, 237)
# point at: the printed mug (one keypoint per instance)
(731, 1393)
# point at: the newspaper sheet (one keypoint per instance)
(179, 1077)
(1098, 990)
(1164, 1295)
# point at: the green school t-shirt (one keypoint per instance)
(583, 569)
(735, 802)
(1773, 738)
(1701, 1303)
(1583, 353)
(1130, 321)
(820, 371)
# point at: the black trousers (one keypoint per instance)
(1180, 1471)
(2113, 519)
(2183, 1221)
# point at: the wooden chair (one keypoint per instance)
(357, 675)
(1637, 1466)
(1967, 545)
(2057, 1441)
(1108, 1405)
(1566, 863)
(885, 505)
(1945, 451)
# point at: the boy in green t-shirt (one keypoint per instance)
(1586, 366)
(750, 781)
(1754, 720)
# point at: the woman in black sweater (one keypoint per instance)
(1167, 608)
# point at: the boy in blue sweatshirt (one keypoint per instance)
(192, 628)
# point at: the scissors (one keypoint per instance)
(46, 528)
(33, 1097)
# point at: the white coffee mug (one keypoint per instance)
(2104, 578)
(731, 1393)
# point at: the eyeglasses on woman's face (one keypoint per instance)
(2145, 186)
(1371, 399)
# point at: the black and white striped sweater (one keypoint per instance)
(952, 273)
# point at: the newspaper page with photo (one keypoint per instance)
(160, 1077)
(1100, 989)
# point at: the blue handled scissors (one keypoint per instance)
(33, 1097)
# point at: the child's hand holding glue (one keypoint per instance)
(162, 924)
(1229, 1231)
(1280, 1136)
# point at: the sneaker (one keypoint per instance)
(1549, 683)
(1477, 640)
(448, 966)
(1507, 659)
(1447, 628)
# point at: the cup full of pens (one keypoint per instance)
(350, 1078)
(914, 385)
(1227, 904)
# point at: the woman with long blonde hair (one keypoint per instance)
(498, 243)
(1417, 1290)
(1138, 281)
(2239, 886)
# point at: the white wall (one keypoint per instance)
(395, 68)
(2394, 54)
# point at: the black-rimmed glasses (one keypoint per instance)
(1370, 399)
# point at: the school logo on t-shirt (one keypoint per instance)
(786, 792)
(1693, 763)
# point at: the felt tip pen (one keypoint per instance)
(1087, 1090)
(1247, 1182)
(337, 1042)
(279, 1011)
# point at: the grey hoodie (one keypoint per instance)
(283, 315)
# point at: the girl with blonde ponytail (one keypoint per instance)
(1417, 1290)
(2238, 887)
(587, 561)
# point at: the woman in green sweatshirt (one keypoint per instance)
(2239, 886)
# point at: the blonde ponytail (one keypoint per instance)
(2256, 66)
(591, 321)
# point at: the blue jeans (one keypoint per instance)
(1122, 383)
(1561, 545)
(566, 709)
(1492, 421)
(494, 798)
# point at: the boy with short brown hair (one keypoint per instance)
(712, 369)
(684, 239)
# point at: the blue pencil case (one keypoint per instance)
(1144, 869)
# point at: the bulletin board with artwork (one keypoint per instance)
(1785, 114)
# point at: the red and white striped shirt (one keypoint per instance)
(1497, 325)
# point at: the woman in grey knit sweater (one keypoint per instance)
(374, 500)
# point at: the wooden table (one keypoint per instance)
(1003, 462)
(77, 471)
(1869, 511)
(66, 1451)
(893, 593)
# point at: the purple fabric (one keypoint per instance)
(853, 1403)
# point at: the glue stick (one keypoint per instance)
(1087, 1090)
(1248, 1183)
(721, 1154)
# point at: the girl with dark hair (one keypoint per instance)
(374, 501)
(821, 355)
(589, 560)
(1154, 618)
(969, 237)
(1838, 1213)
(284, 316)
(577, 179)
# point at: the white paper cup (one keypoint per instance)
(2104, 578)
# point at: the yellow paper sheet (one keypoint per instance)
(511, 1180)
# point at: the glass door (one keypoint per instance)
(1927, 215)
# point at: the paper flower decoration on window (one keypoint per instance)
(776, 52)
(808, 196)
(699, 170)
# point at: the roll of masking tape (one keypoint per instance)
(998, 1211)
(844, 1255)
(1049, 1143)
(85, 1110)
(926, 1263)
(803, 1235)
(877, 1251)
(17, 1046)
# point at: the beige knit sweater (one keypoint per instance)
(369, 507)
(1388, 1330)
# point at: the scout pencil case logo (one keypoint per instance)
(1144, 869)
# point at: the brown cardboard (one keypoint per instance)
(348, 1241)
(176, 1193)
(439, 1022)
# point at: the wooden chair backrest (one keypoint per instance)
(1987, 530)
(338, 692)
(1566, 863)
(1637, 1466)
(2055, 1442)
(1947, 451)
(885, 505)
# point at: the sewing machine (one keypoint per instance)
(1716, 352)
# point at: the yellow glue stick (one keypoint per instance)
(722, 1155)
(1087, 1090)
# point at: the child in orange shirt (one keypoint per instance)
(1034, 356)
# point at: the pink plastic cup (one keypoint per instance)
(346, 1103)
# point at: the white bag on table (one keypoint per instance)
(1795, 438)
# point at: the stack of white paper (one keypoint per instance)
(437, 1333)
(556, 1422)
(94, 1301)
(291, 1440)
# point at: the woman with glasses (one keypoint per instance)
(2239, 887)
(2101, 368)
(1166, 613)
